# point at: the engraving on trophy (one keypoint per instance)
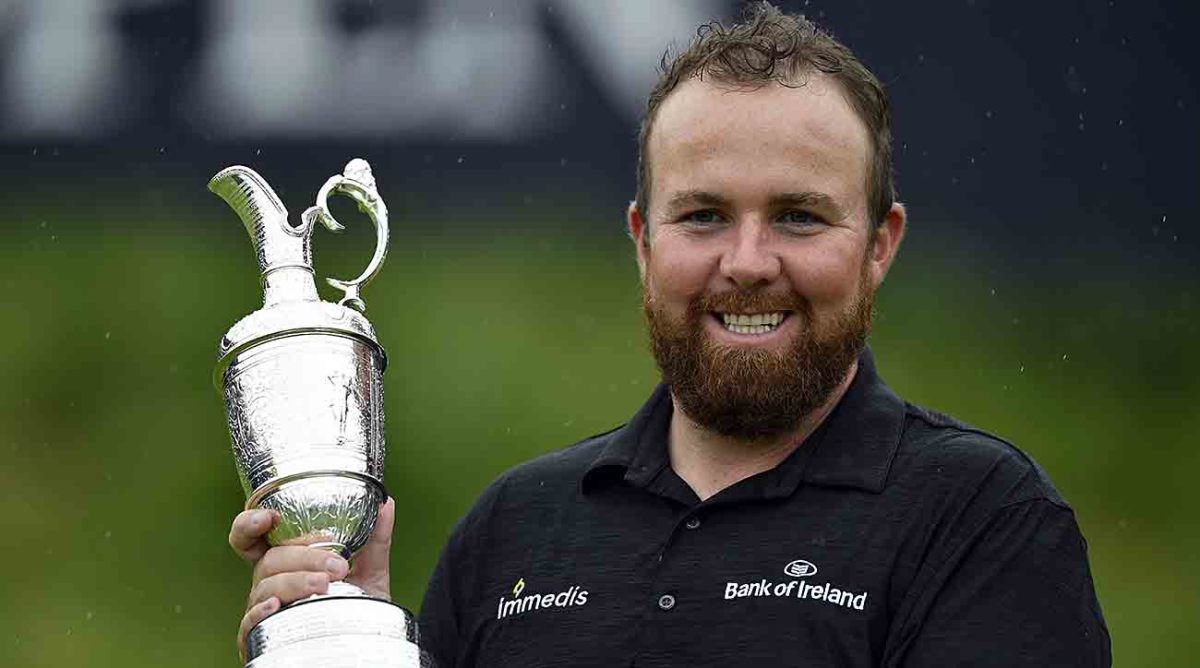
(302, 381)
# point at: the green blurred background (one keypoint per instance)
(1047, 290)
(118, 484)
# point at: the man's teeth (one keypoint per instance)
(759, 323)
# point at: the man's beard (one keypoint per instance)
(749, 393)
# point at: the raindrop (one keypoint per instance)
(987, 114)
(53, 237)
(107, 335)
(162, 149)
(1081, 127)
(43, 225)
(1064, 357)
(1022, 370)
(89, 615)
(258, 151)
(920, 57)
(562, 107)
(562, 162)
(1164, 218)
(1120, 122)
(108, 534)
(993, 292)
(35, 151)
(460, 160)
(178, 608)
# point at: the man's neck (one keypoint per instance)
(709, 462)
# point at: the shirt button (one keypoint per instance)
(693, 523)
(666, 601)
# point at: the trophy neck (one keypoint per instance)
(289, 283)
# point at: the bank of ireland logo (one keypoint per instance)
(800, 569)
(800, 586)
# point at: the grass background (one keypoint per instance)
(505, 342)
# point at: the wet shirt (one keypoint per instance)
(893, 536)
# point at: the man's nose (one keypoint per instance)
(751, 261)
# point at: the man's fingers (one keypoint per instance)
(299, 558)
(288, 587)
(252, 617)
(246, 536)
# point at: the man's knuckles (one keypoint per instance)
(288, 587)
(293, 558)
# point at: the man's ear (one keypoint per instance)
(887, 242)
(637, 233)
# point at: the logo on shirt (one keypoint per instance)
(800, 569)
(519, 605)
(797, 588)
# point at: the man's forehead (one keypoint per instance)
(809, 122)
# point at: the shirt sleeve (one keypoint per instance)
(1017, 593)
(440, 620)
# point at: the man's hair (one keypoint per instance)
(768, 46)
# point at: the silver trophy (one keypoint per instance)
(303, 385)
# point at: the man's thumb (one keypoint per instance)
(370, 566)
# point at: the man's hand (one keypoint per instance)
(288, 573)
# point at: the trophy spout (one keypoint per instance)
(283, 251)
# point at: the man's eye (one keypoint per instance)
(701, 217)
(800, 219)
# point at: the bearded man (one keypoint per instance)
(773, 502)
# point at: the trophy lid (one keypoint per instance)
(291, 305)
(292, 319)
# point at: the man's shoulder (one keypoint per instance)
(541, 485)
(938, 450)
(563, 466)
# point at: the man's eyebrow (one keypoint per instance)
(688, 198)
(807, 198)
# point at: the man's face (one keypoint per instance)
(760, 272)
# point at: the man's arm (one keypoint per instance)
(440, 618)
(1016, 593)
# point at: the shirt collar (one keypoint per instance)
(853, 447)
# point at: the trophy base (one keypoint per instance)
(342, 629)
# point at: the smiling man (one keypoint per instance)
(773, 503)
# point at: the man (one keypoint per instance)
(773, 503)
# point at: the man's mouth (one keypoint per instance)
(756, 323)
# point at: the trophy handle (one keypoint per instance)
(357, 182)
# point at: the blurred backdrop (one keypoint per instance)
(1047, 290)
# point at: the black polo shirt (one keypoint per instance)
(893, 536)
